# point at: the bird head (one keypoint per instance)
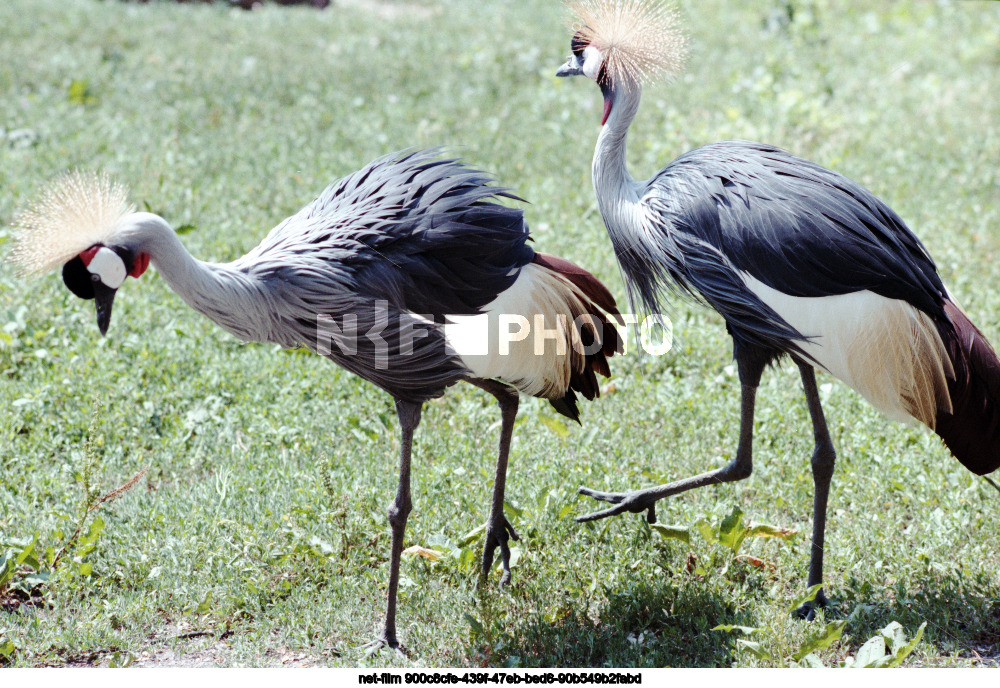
(78, 223)
(623, 43)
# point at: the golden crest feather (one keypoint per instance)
(640, 40)
(76, 211)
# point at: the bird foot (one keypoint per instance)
(381, 643)
(807, 612)
(634, 502)
(497, 535)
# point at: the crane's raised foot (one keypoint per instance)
(634, 502)
(497, 535)
(807, 612)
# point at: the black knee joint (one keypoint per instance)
(823, 459)
(398, 513)
(737, 470)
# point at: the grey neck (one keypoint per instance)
(228, 296)
(616, 190)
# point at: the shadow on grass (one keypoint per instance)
(643, 626)
(962, 612)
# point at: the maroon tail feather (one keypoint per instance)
(972, 430)
(603, 307)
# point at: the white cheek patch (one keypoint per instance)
(592, 60)
(107, 265)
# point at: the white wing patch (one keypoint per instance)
(884, 349)
(526, 336)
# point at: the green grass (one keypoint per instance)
(259, 537)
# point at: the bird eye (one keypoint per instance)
(94, 277)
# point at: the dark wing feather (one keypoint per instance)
(667, 256)
(408, 233)
(972, 430)
(796, 226)
(420, 232)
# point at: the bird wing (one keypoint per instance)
(421, 232)
(794, 225)
(661, 258)
(402, 353)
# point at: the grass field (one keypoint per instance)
(258, 535)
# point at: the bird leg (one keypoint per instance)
(739, 468)
(498, 528)
(823, 459)
(399, 510)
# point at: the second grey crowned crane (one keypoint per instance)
(797, 259)
(406, 273)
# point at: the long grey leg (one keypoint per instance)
(823, 459)
(399, 510)
(739, 468)
(498, 529)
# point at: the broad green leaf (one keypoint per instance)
(706, 530)
(6, 568)
(871, 653)
(672, 532)
(471, 536)
(509, 508)
(748, 630)
(763, 530)
(32, 581)
(731, 524)
(467, 558)
(474, 624)
(822, 640)
(95, 530)
(754, 648)
(811, 661)
(808, 596)
(6, 648)
(895, 636)
(901, 653)
(25, 557)
(31, 561)
(205, 605)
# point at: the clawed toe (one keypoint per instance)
(376, 646)
(498, 536)
(611, 497)
(631, 502)
(510, 530)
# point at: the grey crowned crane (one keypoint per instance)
(797, 259)
(403, 273)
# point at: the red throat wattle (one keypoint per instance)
(141, 263)
(607, 111)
